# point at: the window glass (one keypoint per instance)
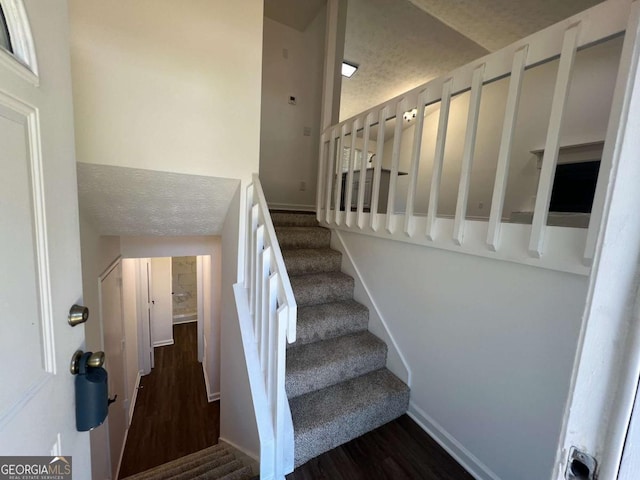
(5, 39)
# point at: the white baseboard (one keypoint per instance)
(124, 444)
(163, 343)
(211, 396)
(464, 457)
(292, 206)
(134, 397)
(249, 454)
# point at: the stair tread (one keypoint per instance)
(324, 287)
(328, 320)
(294, 219)
(207, 473)
(320, 364)
(311, 260)
(242, 474)
(212, 453)
(292, 237)
(326, 418)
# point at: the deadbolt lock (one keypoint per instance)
(78, 314)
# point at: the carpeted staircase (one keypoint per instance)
(219, 462)
(337, 383)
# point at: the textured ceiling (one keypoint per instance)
(296, 14)
(494, 24)
(398, 47)
(128, 201)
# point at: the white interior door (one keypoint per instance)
(114, 348)
(40, 276)
(161, 302)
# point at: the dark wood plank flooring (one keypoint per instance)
(172, 417)
(399, 450)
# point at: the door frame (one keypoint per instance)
(101, 278)
(605, 376)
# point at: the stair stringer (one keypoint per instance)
(396, 361)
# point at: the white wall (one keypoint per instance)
(237, 416)
(585, 121)
(287, 156)
(98, 252)
(168, 88)
(143, 247)
(490, 345)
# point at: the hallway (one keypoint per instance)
(172, 417)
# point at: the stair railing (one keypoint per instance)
(273, 312)
(566, 249)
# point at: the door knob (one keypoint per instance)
(96, 360)
(78, 314)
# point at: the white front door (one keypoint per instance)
(40, 275)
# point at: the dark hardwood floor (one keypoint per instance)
(172, 417)
(399, 450)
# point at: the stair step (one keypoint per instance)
(167, 470)
(322, 364)
(294, 219)
(327, 418)
(303, 237)
(321, 288)
(243, 474)
(329, 320)
(207, 472)
(311, 260)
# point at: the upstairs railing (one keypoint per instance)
(567, 249)
(273, 311)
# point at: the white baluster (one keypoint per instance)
(280, 393)
(265, 267)
(247, 251)
(552, 146)
(255, 211)
(363, 171)
(257, 315)
(272, 332)
(377, 168)
(322, 163)
(331, 168)
(337, 213)
(349, 182)
(467, 155)
(506, 142)
(612, 144)
(415, 164)
(395, 160)
(436, 174)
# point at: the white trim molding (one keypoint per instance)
(453, 447)
(369, 302)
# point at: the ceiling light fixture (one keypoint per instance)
(348, 69)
